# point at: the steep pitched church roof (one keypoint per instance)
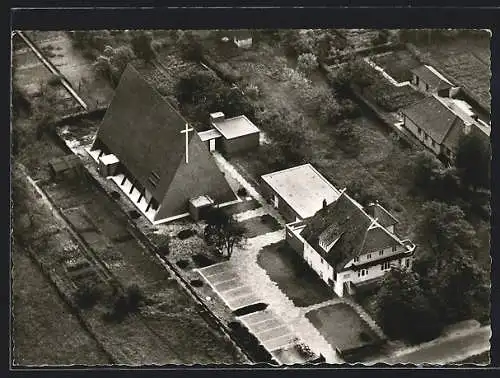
(352, 231)
(144, 131)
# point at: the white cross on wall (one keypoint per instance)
(186, 131)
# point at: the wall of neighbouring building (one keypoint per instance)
(421, 135)
(243, 143)
(285, 210)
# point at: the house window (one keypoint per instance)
(407, 263)
(419, 130)
(346, 276)
(386, 265)
(394, 249)
(364, 272)
(426, 87)
(369, 256)
(381, 253)
(356, 259)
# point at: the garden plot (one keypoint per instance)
(398, 64)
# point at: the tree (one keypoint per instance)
(197, 87)
(113, 62)
(222, 231)
(432, 179)
(462, 289)
(356, 72)
(403, 309)
(444, 229)
(473, 161)
(142, 47)
(307, 62)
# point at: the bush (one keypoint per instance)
(307, 62)
(242, 192)
(202, 261)
(183, 264)
(187, 233)
(54, 80)
(196, 283)
(134, 214)
(164, 249)
(115, 195)
(134, 296)
(86, 296)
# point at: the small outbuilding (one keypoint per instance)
(199, 206)
(427, 79)
(298, 192)
(231, 135)
(69, 166)
(242, 38)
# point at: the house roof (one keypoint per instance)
(378, 212)
(143, 130)
(209, 134)
(354, 231)
(235, 127)
(303, 188)
(432, 116)
(431, 76)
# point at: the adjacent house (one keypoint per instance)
(298, 192)
(242, 38)
(427, 79)
(438, 122)
(350, 247)
(230, 135)
(148, 149)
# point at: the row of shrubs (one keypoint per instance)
(120, 302)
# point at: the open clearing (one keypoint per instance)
(293, 276)
(45, 332)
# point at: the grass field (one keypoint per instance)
(45, 332)
(341, 326)
(293, 276)
(397, 64)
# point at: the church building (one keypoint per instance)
(152, 154)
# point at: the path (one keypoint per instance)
(53, 69)
(446, 349)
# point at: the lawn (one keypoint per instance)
(292, 275)
(260, 225)
(45, 332)
(342, 327)
(397, 64)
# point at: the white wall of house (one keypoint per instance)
(317, 263)
(326, 272)
(422, 135)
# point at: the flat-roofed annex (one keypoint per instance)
(303, 188)
(235, 127)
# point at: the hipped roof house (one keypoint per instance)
(344, 230)
(144, 132)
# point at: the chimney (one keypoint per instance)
(217, 117)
